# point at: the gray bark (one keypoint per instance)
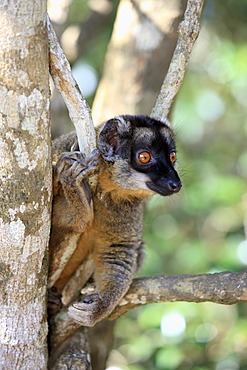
(222, 288)
(25, 183)
(72, 354)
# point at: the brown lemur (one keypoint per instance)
(136, 159)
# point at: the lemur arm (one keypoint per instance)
(72, 203)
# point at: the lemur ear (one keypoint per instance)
(112, 137)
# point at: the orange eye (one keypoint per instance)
(144, 157)
(173, 157)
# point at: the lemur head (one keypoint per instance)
(140, 156)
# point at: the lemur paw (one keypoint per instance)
(54, 301)
(89, 311)
(72, 167)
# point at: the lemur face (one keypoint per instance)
(142, 152)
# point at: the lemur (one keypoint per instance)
(135, 159)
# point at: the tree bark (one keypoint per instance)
(25, 170)
(223, 288)
(73, 353)
(78, 108)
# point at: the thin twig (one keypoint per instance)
(188, 32)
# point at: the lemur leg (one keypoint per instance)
(72, 208)
(113, 276)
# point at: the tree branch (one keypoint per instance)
(223, 288)
(79, 111)
(188, 32)
(73, 353)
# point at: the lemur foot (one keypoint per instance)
(89, 311)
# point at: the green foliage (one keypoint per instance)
(79, 11)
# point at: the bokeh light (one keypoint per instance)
(173, 325)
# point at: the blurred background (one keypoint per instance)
(203, 228)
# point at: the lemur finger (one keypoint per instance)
(74, 169)
(85, 171)
(85, 166)
(92, 156)
(71, 158)
(75, 147)
(77, 169)
(60, 167)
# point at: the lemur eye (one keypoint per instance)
(173, 157)
(144, 157)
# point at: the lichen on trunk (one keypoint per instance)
(25, 184)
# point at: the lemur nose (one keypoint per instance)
(175, 186)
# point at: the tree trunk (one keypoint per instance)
(25, 170)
